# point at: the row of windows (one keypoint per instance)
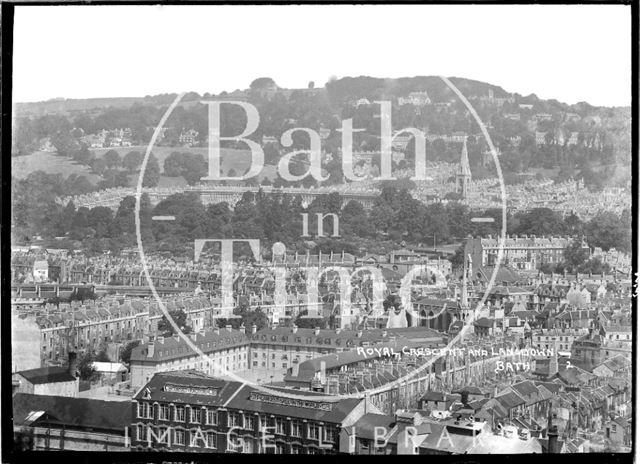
(166, 436)
(279, 426)
(202, 346)
(238, 420)
(308, 340)
(146, 411)
(195, 438)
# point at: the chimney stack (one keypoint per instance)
(228, 327)
(150, 349)
(316, 331)
(552, 435)
(294, 328)
(254, 328)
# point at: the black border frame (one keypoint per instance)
(6, 102)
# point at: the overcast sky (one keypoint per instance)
(570, 53)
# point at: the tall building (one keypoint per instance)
(189, 411)
(521, 253)
(463, 174)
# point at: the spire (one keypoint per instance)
(465, 170)
(463, 175)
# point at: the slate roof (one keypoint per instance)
(366, 425)
(339, 409)
(173, 347)
(73, 412)
(42, 375)
(510, 400)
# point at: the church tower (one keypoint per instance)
(463, 174)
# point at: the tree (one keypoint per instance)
(262, 83)
(457, 259)
(575, 255)
(99, 166)
(173, 164)
(541, 222)
(56, 300)
(309, 322)
(99, 219)
(83, 155)
(103, 356)
(112, 158)
(125, 354)
(85, 367)
(194, 167)
(179, 317)
(83, 293)
(608, 230)
(151, 173)
(132, 161)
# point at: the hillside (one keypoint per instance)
(531, 134)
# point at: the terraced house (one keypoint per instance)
(225, 350)
(96, 326)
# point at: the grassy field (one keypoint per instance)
(238, 160)
(22, 166)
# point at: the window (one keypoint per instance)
(212, 417)
(313, 431)
(296, 429)
(329, 434)
(178, 437)
(196, 415)
(180, 414)
(364, 446)
(280, 426)
(211, 440)
(140, 432)
(234, 420)
(196, 438)
(145, 411)
(162, 435)
(163, 413)
(250, 422)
